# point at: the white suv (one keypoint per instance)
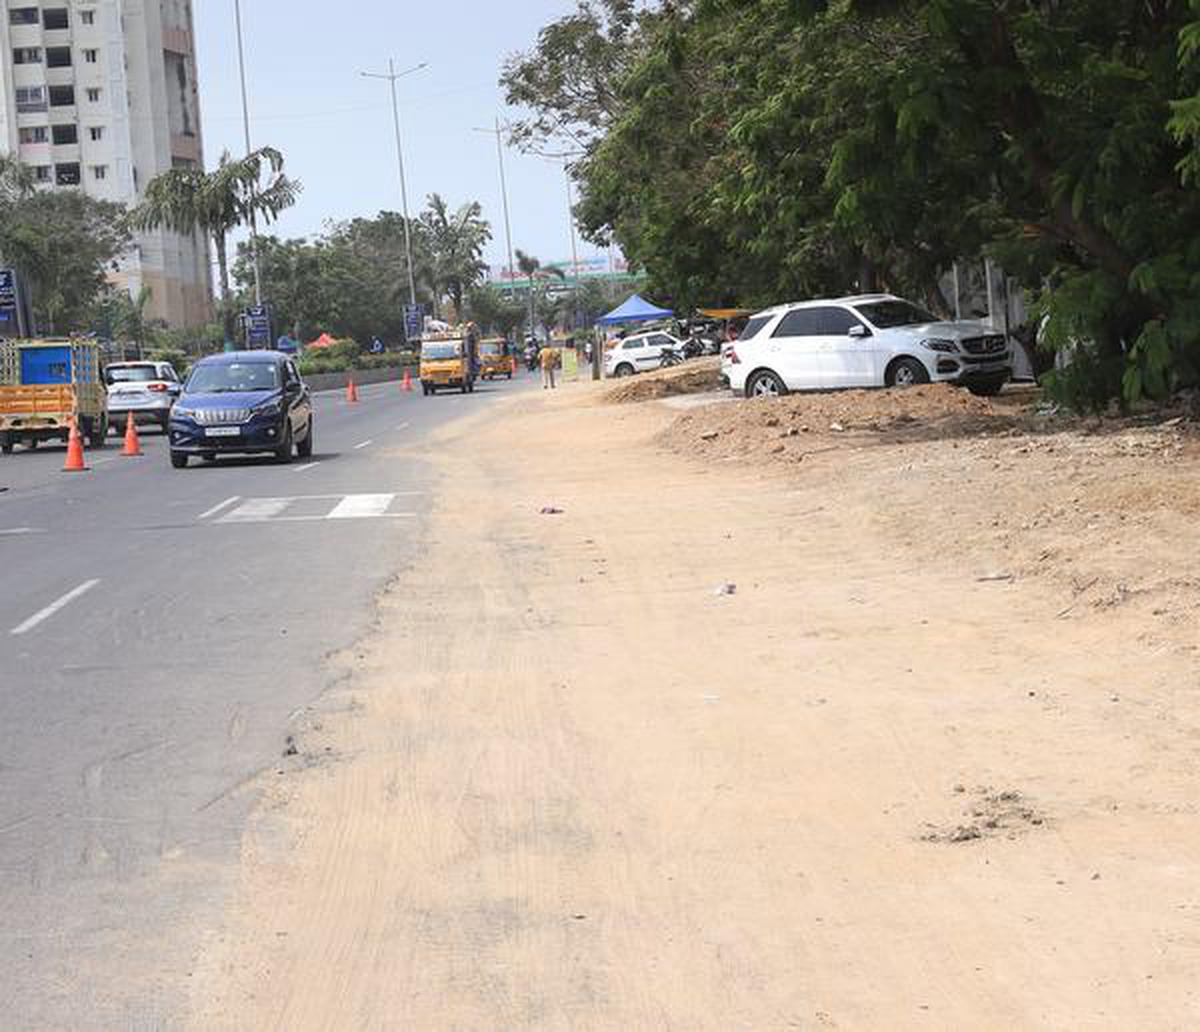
(874, 340)
(638, 353)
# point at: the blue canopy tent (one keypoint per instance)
(636, 309)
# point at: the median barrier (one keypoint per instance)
(362, 377)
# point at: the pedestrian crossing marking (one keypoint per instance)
(361, 507)
(312, 508)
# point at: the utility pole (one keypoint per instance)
(392, 76)
(498, 133)
(574, 247)
(237, 11)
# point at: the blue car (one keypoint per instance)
(242, 403)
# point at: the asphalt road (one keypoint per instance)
(158, 629)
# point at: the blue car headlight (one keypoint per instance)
(179, 412)
(268, 411)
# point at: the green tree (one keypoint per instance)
(455, 242)
(63, 244)
(190, 200)
(492, 311)
(752, 152)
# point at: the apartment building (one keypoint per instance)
(101, 96)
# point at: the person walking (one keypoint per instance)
(550, 359)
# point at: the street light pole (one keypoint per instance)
(392, 76)
(497, 132)
(237, 12)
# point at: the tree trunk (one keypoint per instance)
(227, 320)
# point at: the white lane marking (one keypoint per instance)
(101, 462)
(347, 507)
(322, 519)
(361, 507)
(54, 607)
(17, 531)
(404, 426)
(363, 445)
(217, 508)
(307, 465)
(256, 509)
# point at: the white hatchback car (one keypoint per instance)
(638, 353)
(874, 340)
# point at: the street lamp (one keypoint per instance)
(512, 272)
(237, 14)
(391, 77)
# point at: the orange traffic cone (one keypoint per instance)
(132, 445)
(74, 463)
(351, 391)
(513, 360)
(407, 385)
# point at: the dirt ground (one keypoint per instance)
(894, 729)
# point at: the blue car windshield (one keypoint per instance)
(233, 377)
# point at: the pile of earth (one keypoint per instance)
(693, 377)
(779, 426)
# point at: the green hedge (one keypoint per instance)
(346, 355)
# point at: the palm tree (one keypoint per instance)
(456, 242)
(189, 200)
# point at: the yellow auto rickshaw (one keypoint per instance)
(495, 359)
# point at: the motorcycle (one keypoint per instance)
(670, 357)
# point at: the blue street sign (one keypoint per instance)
(258, 326)
(8, 302)
(414, 321)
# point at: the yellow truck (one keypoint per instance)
(45, 386)
(495, 359)
(449, 360)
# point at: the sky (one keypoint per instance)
(334, 127)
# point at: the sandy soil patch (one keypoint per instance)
(728, 745)
(693, 377)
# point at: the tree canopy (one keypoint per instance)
(63, 244)
(757, 152)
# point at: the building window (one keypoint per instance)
(42, 173)
(93, 95)
(91, 56)
(87, 17)
(96, 132)
(99, 171)
(23, 16)
(67, 175)
(58, 57)
(35, 134)
(63, 134)
(27, 55)
(62, 96)
(56, 18)
(30, 98)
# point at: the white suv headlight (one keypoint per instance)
(940, 344)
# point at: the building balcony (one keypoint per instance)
(185, 148)
(177, 41)
(64, 76)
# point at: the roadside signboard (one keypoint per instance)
(258, 326)
(9, 323)
(414, 322)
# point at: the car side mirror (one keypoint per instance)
(858, 332)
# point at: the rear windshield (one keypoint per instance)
(491, 348)
(131, 374)
(442, 349)
(886, 314)
(232, 377)
(754, 325)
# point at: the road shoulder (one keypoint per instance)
(646, 742)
